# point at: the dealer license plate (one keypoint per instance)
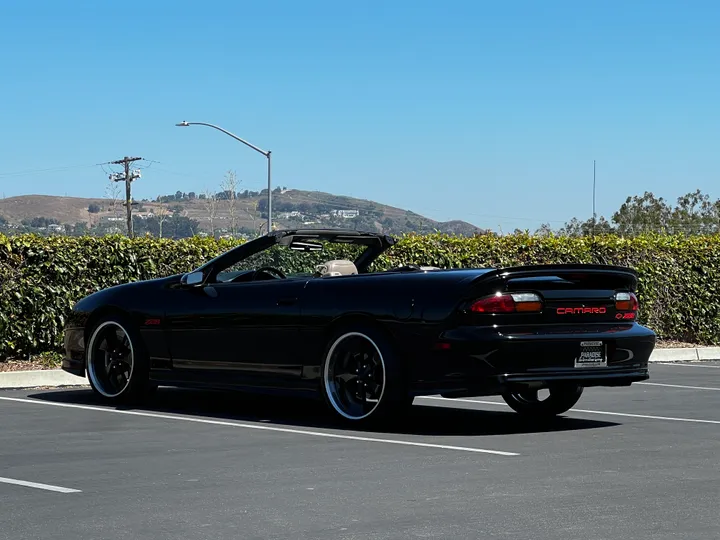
(592, 354)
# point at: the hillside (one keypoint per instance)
(291, 208)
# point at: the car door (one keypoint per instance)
(237, 332)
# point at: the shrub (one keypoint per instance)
(41, 278)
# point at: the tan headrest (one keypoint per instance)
(339, 267)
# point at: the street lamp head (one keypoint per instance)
(182, 124)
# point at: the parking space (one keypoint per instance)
(630, 463)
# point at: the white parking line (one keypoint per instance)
(684, 364)
(608, 413)
(261, 427)
(650, 417)
(679, 386)
(46, 487)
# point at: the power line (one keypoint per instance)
(173, 172)
(51, 169)
(150, 161)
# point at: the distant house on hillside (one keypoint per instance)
(293, 214)
(346, 214)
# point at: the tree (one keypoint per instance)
(544, 230)
(80, 229)
(640, 214)
(161, 214)
(39, 222)
(93, 208)
(590, 227)
(192, 196)
(229, 187)
(252, 216)
(3, 221)
(695, 214)
(172, 226)
(112, 193)
(183, 227)
(210, 204)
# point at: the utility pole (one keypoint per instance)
(593, 190)
(127, 178)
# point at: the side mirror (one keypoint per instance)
(193, 279)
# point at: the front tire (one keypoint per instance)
(561, 399)
(362, 378)
(117, 365)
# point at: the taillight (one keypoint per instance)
(626, 301)
(508, 303)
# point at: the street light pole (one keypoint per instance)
(269, 208)
(263, 152)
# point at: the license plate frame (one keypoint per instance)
(592, 354)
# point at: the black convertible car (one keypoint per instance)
(272, 315)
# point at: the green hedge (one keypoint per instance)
(41, 278)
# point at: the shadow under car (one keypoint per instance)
(303, 413)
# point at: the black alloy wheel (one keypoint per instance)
(116, 364)
(360, 377)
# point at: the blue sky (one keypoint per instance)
(490, 112)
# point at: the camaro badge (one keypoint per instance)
(581, 310)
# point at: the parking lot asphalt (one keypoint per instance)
(626, 463)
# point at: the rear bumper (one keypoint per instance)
(491, 361)
(516, 382)
(595, 377)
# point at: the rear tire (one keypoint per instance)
(562, 398)
(116, 361)
(362, 379)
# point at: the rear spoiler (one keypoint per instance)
(577, 273)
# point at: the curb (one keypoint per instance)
(42, 377)
(15, 380)
(699, 354)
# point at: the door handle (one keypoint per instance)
(287, 301)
